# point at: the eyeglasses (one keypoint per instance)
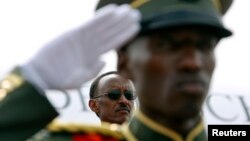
(116, 94)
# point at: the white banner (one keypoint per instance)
(219, 108)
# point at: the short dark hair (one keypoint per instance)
(95, 83)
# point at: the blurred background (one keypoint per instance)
(27, 25)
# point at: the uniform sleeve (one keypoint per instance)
(24, 109)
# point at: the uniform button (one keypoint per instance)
(6, 84)
(3, 93)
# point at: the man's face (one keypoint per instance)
(172, 71)
(110, 110)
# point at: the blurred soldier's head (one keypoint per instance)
(172, 60)
(112, 97)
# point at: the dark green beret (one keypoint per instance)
(158, 14)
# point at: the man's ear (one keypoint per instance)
(93, 106)
(122, 64)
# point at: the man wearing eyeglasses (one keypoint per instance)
(112, 97)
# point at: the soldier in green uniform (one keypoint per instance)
(171, 62)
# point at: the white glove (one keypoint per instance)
(74, 57)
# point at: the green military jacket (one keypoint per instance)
(24, 110)
(140, 128)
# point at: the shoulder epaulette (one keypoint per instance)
(10, 83)
(106, 129)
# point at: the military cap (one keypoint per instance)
(158, 14)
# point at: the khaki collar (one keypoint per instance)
(141, 117)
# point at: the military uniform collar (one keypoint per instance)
(142, 127)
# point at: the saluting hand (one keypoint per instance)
(74, 58)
